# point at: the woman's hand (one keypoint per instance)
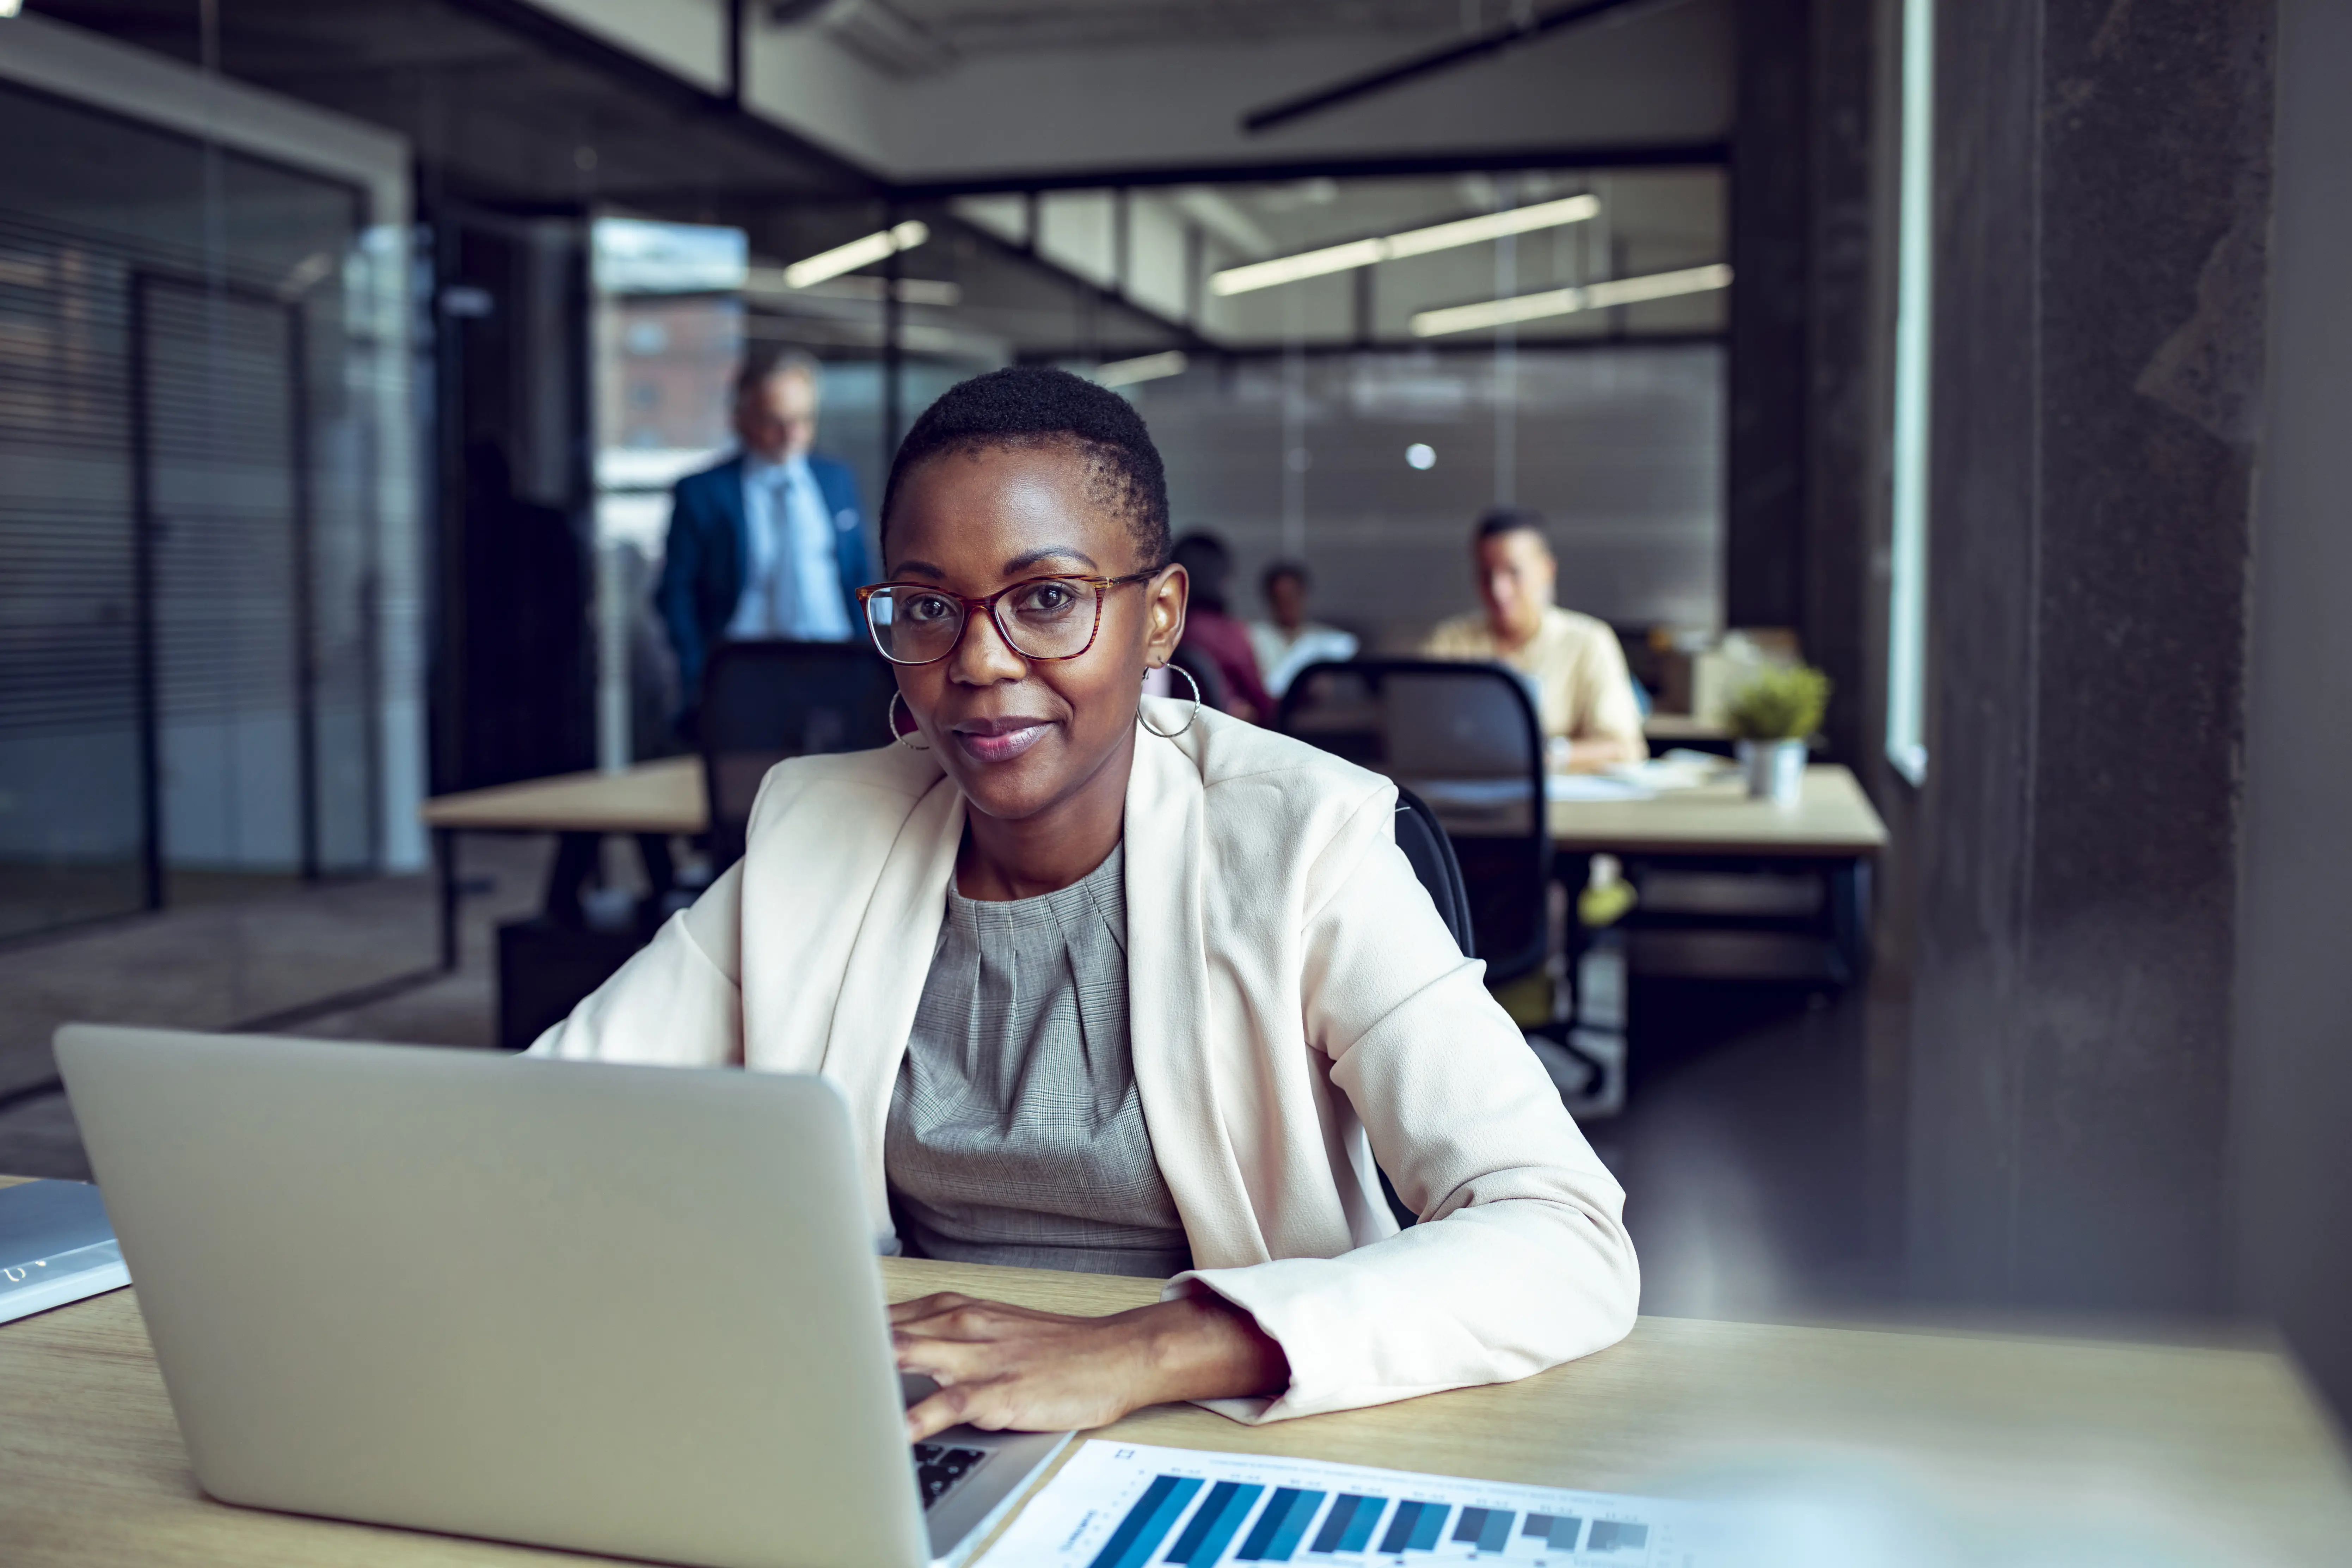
(1001, 1367)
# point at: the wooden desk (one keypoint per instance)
(1662, 730)
(1833, 821)
(664, 796)
(2177, 1447)
(657, 798)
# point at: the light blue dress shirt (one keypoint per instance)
(792, 580)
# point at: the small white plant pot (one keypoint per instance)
(1775, 770)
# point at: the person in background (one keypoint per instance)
(1212, 634)
(1290, 642)
(1585, 694)
(770, 543)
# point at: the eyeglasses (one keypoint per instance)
(1042, 617)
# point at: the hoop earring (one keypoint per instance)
(890, 716)
(1195, 713)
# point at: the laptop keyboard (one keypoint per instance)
(938, 1468)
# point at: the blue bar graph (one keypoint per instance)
(1615, 1535)
(1279, 1528)
(1416, 1526)
(1486, 1529)
(1215, 1524)
(1557, 1531)
(1348, 1526)
(1147, 1523)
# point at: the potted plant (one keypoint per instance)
(1773, 716)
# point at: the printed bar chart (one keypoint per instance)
(1147, 1523)
(1280, 1527)
(1132, 1506)
(1205, 1539)
(1348, 1526)
(1557, 1532)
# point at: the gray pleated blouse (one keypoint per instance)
(1015, 1132)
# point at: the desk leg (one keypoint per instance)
(575, 868)
(1849, 898)
(444, 858)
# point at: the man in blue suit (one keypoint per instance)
(770, 543)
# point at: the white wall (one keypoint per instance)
(2292, 1094)
(687, 36)
(1666, 78)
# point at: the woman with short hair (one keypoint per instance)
(1123, 984)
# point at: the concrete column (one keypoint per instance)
(2103, 206)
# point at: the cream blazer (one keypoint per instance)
(1297, 1011)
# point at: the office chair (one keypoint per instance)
(765, 701)
(1431, 854)
(1465, 739)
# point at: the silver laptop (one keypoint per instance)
(632, 1311)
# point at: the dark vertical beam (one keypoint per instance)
(1764, 513)
(1845, 415)
(306, 651)
(2102, 221)
(894, 313)
(143, 570)
(735, 20)
(1122, 242)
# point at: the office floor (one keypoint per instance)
(1743, 1149)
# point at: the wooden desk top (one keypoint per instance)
(2175, 1448)
(1671, 728)
(1834, 820)
(663, 796)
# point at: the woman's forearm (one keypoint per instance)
(1201, 1346)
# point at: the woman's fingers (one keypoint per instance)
(926, 1306)
(950, 1360)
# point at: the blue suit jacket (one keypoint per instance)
(709, 540)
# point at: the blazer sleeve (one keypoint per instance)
(1521, 1260)
(675, 596)
(678, 1001)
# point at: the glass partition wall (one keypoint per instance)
(187, 520)
(1343, 372)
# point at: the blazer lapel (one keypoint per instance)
(889, 961)
(1169, 1008)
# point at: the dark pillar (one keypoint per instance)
(2103, 200)
(1764, 513)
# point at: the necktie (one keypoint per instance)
(783, 580)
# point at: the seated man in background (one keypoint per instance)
(1584, 695)
(770, 543)
(1290, 642)
(1212, 634)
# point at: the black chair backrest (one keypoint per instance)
(1423, 838)
(1205, 675)
(1465, 739)
(764, 701)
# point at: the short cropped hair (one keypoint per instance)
(758, 369)
(1031, 407)
(1281, 569)
(1503, 520)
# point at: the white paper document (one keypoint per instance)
(1122, 1505)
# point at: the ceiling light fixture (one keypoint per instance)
(879, 246)
(1143, 367)
(1411, 242)
(1568, 302)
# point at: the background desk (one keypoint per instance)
(659, 798)
(2177, 1448)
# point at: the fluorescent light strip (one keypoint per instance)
(1143, 367)
(1413, 242)
(864, 252)
(1568, 302)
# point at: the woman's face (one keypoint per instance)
(1022, 735)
